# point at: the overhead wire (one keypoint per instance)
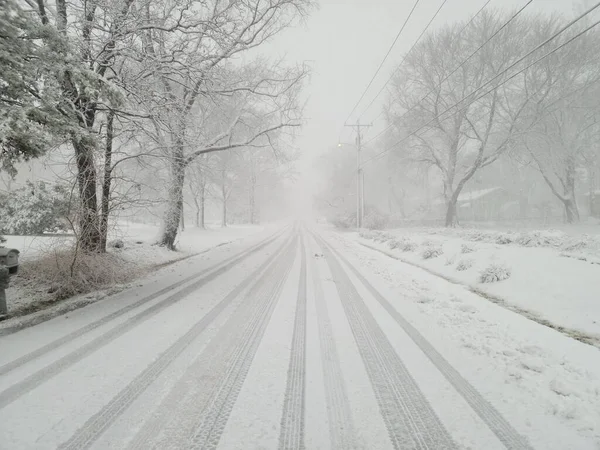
(439, 116)
(383, 61)
(467, 59)
(405, 55)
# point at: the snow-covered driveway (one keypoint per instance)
(286, 341)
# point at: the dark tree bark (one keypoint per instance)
(106, 182)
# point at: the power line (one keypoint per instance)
(383, 61)
(439, 85)
(404, 57)
(378, 155)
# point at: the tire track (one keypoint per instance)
(342, 432)
(85, 436)
(6, 368)
(292, 421)
(505, 432)
(36, 379)
(212, 421)
(176, 418)
(411, 421)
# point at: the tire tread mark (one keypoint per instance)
(291, 435)
(24, 386)
(505, 432)
(342, 432)
(212, 421)
(93, 428)
(12, 365)
(173, 421)
(411, 421)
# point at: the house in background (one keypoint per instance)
(493, 203)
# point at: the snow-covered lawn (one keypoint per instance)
(192, 240)
(138, 256)
(539, 379)
(549, 275)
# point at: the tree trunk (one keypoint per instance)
(172, 214)
(182, 217)
(571, 211)
(451, 216)
(570, 201)
(89, 225)
(202, 205)
(252, 202)
(106, 182)
(224, 196)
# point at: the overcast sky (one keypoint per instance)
(345, 40)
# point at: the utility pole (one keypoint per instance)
(360, 179)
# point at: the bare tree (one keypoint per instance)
(473, 121)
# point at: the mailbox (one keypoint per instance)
(9, 257)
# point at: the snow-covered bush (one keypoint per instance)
(375, 221)
(464, 264)
(366, 234)
(466, 248)
(34, 209)
(344, 220)
(393, 244)
(432, 251)
(494, 272)
(383, 237)
(66, 272)
(408, 245)
(450, 260)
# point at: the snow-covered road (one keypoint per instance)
(281, 341)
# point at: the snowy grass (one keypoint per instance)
(546, 280)
(49, 272)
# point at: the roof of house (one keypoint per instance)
(468, 196)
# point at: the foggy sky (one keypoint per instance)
(344, 41)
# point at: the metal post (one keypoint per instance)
(3, 306)
(360, 205)
(358, 221)
(4, 277)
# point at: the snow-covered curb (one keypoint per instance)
(33, 304)
(543, 285)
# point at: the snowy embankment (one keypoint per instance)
(540, 380)
(548, 276)
(131, 251)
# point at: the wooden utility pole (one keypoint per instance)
(360, 188)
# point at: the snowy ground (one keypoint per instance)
(192, 240)
(535, 375)
(553, 276)
(298, 341)
(138, 257)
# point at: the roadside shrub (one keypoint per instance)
(408, 245)
(375, 221)
(35, 209)
(383, 237)
(494, 272)
(504, 239)
(393, 244)
(67, 273)
(432, 251)
(464, 264)
(344, 221)
(466, 248)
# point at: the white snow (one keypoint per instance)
(545, 383)
(542, 281)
